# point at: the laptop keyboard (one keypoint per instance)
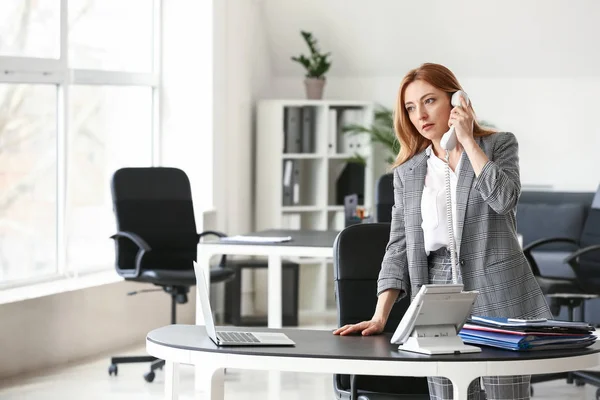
(237, 337)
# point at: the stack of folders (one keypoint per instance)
(527, 335)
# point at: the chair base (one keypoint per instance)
(149, 376)
(131, 360)
(178, 295)
(591, 377)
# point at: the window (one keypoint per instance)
(78, 94)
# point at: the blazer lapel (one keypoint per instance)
(413, 192)
(463, 189)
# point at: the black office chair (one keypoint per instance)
(157, 240)
(358, 253)
(384, 197)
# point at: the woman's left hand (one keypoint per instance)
(462, 119)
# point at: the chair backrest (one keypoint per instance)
(358, 253)
(156, 204)
(547, 214)
(384, 198)
(590, 262)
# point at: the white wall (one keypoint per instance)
(554, 119)
(187, 101)
(244, 77)
(57, 329)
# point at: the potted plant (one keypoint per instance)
(316, 66)
(381, 131)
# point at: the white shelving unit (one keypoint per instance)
(315, 206)
(314, 202)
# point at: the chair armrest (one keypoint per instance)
(527, 251)
(544, 241)
(573, 259)
(223, 261)
(143, 246)
(215, 233)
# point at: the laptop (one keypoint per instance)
(233, 338)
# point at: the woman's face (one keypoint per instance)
(428, 109)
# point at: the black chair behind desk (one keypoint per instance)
(358, 252)
(157, 241)
(384, 198)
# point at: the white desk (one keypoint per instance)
(305, 243)
(323, 352)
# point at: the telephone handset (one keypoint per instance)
(449, 140)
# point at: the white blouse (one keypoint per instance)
(433, 202)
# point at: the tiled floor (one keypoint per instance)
(90, 380)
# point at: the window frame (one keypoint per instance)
(29, 70)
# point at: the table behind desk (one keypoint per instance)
(319, 351)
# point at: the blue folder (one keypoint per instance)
(543, 325)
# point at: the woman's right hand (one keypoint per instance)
(365, 328)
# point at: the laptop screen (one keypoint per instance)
(202, 288)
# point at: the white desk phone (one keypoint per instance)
(438, 312)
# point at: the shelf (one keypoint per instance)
(301, 156)
(294, 209)
(340, 156)
(298, 189)
(317, 103)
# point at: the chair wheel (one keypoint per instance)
(149, 376)
(579, 382)
(113, 369)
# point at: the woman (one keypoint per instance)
(485, 188)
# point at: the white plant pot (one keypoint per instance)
(314, 88)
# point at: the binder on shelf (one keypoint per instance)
(332, 130)
(308, 129)
(296, 176)
(293, 129)
(287, 188)
(348, 143)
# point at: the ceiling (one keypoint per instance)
(511, 38)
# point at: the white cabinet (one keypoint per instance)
(301, 155)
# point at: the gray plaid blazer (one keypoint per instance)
(491, 260)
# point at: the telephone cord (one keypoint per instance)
(449, 219)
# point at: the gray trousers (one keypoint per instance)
(496, 387)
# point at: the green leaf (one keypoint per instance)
(317, 64)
